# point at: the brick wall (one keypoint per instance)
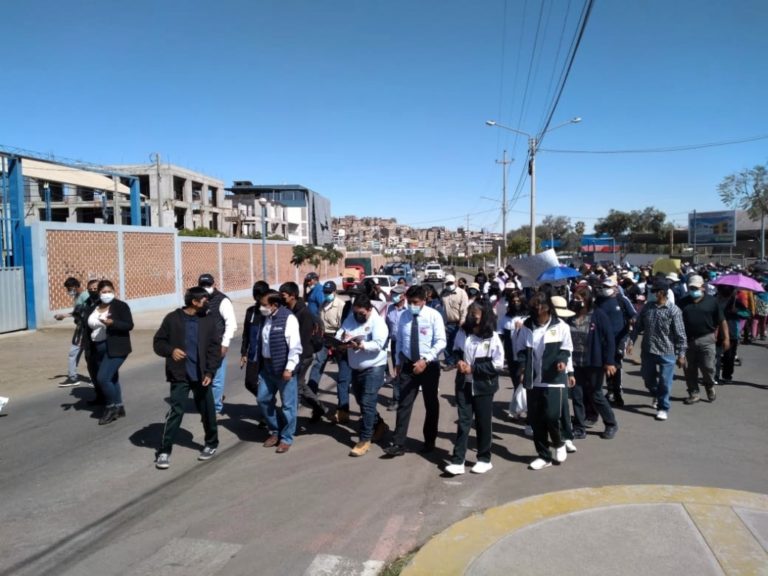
(81, 254)
(236, 263)
(149, 264)
(198, 258)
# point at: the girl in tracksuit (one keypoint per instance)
(547, 373)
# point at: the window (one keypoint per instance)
(178, 188)
(212, 193)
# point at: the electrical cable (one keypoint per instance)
(662, 150)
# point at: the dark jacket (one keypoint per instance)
(173, 334)
(118, 335)
(601, 345)
(252, 316)
(306, 327)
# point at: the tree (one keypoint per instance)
(616, 224)
(579, 228)
(747, 190)
(315, 256)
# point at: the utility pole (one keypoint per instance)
(466, 239)
(504, 163)
(159, 201)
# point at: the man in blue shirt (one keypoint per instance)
(420, 339)
(313, 293)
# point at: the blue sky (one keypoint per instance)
(380, 106)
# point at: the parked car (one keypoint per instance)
(434, 271)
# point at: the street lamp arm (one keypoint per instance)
(494, 123)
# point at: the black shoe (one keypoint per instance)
(618, 401)
(579, 435)
(394, 450)
(610, 432)
(317, 414)
(110, 415)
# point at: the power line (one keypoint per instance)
(662, 150)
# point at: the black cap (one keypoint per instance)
(205, 280)
(660, 284)
(329, 287)
(311, 276)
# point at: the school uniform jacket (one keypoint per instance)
(558, 333)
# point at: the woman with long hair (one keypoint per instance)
(480, 358)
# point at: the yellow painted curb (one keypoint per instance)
(452, 551)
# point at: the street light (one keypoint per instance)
(263, 202)
(533, 144)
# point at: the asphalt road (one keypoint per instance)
(78, 498)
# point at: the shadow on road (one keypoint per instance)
(151, 435)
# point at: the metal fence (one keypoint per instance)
(13, 303)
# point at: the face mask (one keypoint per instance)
(330, 297)
(450, 287)
(94, 294)
(607, 292)
(208, 289)
(696, 294)
(265, 310)
(473, 293)
(396, 298)
(576, 305)
(107, 297)
(360, 317)
(72, 293)
(414, 309)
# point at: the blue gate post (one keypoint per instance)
(22, 236)
(135, 203)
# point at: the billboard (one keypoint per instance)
(712, 228)
(599, 243)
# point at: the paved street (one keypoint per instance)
(78, 498)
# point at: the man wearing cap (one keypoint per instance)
(677, 287)
(664, 344)
(702, 316)
(621, 314)
(313, 293)
(455, 303)
(221, 307)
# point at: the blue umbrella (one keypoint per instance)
(558, 273)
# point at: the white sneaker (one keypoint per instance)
(561, 454)
(481, 467)
(570, 446)
(539, 464)
(661, 415)
(455, 469)
(528, 431)
(3, 402)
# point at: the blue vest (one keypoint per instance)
(278, 347)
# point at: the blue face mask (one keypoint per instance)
(330, 297)
(396, 298)
(414, 309)
(696, 294)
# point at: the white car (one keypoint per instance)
(433, 271)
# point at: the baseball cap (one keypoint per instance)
(609, 281)
(329, 287)
(398, 290)
(205, 280)
(660, 284)
(673, 277)
(311, 276)
(561, 307)
(449, 278)
(474, 286)
(696, 281)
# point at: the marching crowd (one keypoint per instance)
(560, 344)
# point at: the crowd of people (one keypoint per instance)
(561, 345)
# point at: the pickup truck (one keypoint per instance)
(433, 271)
(351, 276)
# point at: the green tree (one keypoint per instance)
(747, 190)
(616, 224)
(200, 233)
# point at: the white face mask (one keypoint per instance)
(451, 287)
(208, 289)
(107, 297)
(608, 292)
(265, 310)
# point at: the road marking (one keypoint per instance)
(182, 556)
(330, 565)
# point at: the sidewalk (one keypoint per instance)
(628, 530)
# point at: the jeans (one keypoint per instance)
(269, 385)
(365, 386)
(343, 380)
(108, 377)
(306, 394)
(321, 359)
(218, 385)
(589, 385)
(72, 358)
(450, 337)
(203, 396)
(658, 371)
(409, 389)
(700, 356)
